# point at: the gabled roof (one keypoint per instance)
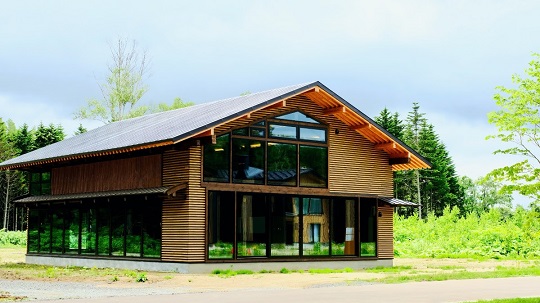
(168, 128)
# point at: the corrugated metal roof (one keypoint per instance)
(167, 128)
(170, 126)
(397, 202)
(103, 194)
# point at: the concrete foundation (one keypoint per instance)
(202, 268)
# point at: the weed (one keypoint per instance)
(284, 271)
(141, 277)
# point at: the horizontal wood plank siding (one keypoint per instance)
(385, 233)
(130, 173)
(184, 218)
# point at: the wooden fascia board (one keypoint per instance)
(86, 155)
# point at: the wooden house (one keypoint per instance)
(292, 177)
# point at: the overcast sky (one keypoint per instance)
(446, 55)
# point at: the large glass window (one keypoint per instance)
(313, 166)
(273, 225)
(343, 227)
(368, 232)
(40, 183)
(267, 152)
(284, 217)
(282, 164)
(33, 230)
(44, 231)
(72, 232)
(103, 230)
(252, 232)
(316, 223)
(133, 228)
(248, 161)
(152, 229)
(88, 231)
(57, 231)
(282, 131)
(216, 160)
(220, 225)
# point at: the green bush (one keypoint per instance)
(8, 238)
(488, 235)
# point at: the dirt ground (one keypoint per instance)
(201, 283)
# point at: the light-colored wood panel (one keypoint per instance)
(385, 233)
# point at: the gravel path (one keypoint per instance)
(41, 290)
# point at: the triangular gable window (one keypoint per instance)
(297, 116)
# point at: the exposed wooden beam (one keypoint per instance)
(335, 110)
(384, 146)
(207, 133)
(394, 161)
(400, 155)
(361, 126)
(173, 190)
(279, 104)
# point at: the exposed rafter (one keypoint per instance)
(335, 110)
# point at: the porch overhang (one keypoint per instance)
(397, 202)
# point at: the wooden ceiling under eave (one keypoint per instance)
(400, 157)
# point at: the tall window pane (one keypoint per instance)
(316, 223)
(71, 235)
(248, 161)
(134, 219)
(118, 221)
(44, 231)
(368, 227)
(313, 166)
(58, 231)
(281, 164)
(252, 234)
(152, 229)
(343, 227)
(284, 226)
(103, 230)
(220, 225)
(88, 231)
(33, 230)
(216, 160)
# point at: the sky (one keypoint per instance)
(448, 56)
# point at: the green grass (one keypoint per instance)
(328, 270)
(394, 269)
(225, 273)
(499, 272)
(514, 300)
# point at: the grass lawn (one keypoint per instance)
(12, 266)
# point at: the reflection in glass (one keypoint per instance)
(282, 131)
(44, 232)
(281, 164)
(343, 227)
(313, 134)
(134, 217)
(71, 234)
(252, 235)
(118, 218)
(297, 116)
(284, 217)
(248, 161)
(216, 160)
(316, 223)
(57, 231)
(257, 132)
(313, 166)
(103, 231)
(33, 230)
(368, 232)
(220, 225)
(152, 229)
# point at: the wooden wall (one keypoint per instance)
(183, 221)
(130, 173)
(385, 233)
